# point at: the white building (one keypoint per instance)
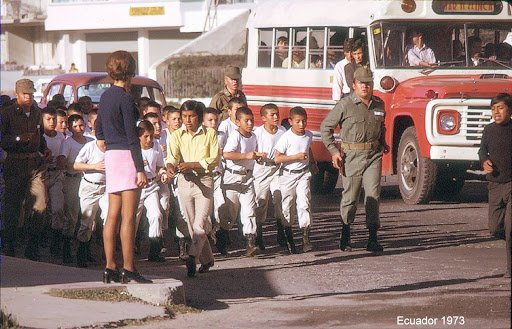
(55, 33)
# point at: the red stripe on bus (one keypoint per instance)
(287, 91)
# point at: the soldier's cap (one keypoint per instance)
(25, 86)
(363, 75)
(233, 72)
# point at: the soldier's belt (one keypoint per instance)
(360, 146)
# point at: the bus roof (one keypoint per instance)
(300, 13)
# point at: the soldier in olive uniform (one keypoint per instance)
(361, 119)
(232, 85)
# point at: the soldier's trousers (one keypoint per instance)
(24, 180)
(363, 170)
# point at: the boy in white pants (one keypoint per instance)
(164, 191)
(54, 178)
(150, 198)
(266, 172)
(240, 155)
(90, 160)
(68, 153)
(293, 150)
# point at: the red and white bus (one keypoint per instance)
(434, 116)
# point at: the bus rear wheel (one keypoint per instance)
(416, 174)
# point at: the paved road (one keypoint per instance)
(440, 267)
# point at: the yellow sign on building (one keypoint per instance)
(147, 11)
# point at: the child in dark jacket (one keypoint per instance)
(496, 157)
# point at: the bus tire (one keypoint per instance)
(324, 182)
(416, 174)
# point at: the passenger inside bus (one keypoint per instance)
(298, 56)
(420, 54)
(281, 51)
(475, 50)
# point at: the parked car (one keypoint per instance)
(93, 84)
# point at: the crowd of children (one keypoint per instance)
(250, 167)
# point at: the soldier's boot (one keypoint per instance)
(290, 244)
(182, 243)
(81, 254)
(373, 244)
(222, 240)
(251, 246)
(306, 243)
(55, 243)
(345, 244)
(281, 236)
(259, 237)
(66, 250)
(32, 249)
(154, 251)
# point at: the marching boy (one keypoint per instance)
(240, 155)
(293, 151)
(266, 172)
(66, 159)
(150, 198)
(496, 156)
(54, 177)
(90, 160)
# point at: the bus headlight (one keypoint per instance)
(448, 122)
(388, 83)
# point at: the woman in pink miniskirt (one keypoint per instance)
(124, 168)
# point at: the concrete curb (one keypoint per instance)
(160, 292)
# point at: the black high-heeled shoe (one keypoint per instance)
(111, 275)
(127, 276)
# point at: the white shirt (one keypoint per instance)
(152, 159)
(227, 127)
(54, 144)
(91, 154)
(70, 149)
(423, 54)
(266, 141)
(88, 134)
(163, 140)
(291, 144)
(340, 85)
(238, 143)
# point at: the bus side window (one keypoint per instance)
(298, 56)
(265, 48)
(316, 48)
(336, 37)
(281, 47)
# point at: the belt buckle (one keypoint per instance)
(243, 171)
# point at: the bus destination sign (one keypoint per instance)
(461, 7)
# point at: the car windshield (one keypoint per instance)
(95, 90)
(472, 45)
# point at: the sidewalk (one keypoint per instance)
(24, 294)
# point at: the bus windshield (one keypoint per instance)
(471, 45)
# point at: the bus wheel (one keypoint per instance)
(416, 175)
(325, 181)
